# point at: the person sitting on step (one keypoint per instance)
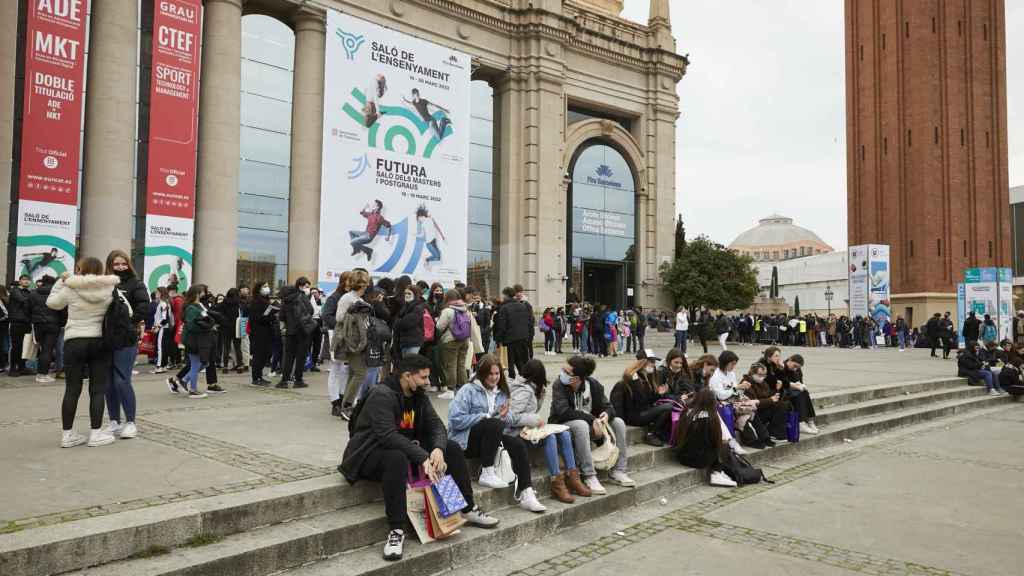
(675, 373)
(702, 370)
(579, 402)
(771, 407)
(477, 418)
(703, 438)
(395, 427)
(636, 396)
(787, 378)
(970, 365)
(527, 395)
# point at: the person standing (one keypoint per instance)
(455, 328)
(200, 340)
(513, 328)
(358, 282)
(901, 332)
(120, 393)
(163, 329)
(45, 327)
(297, 325)
(682, 328)
(86, 295)
(177, 309)
(722, 328)
(229, 311)
(21, 323)
(262, 317)
(337, 372)
(5, 331)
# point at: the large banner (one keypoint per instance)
(858, 260)
(173, 129)
(869, 282)
(394, 195)
(990, 291)
(50, 137)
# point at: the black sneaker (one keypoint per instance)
(346, 412)
(652, 439)
(196, 395)
(314, 369)
(283, 384)
(300, 384)
(336, 408)
(172, 384)
(215, 389)
(260, 382)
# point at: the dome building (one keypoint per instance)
(776, 238)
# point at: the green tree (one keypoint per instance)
(680, 236)
(710, 275)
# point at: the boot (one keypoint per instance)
(559, 491)
(336, 408)
(576, 486)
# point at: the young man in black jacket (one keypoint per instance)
(394, 428)
(513, 328)
(298, 325)
(21, 323)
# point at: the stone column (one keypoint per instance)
(307, 145)
(8, 64)
(216, 232)
(110, 119)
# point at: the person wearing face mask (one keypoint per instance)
(971, 366)
(355, 373)
(337, 374)
(394, 428)
(635, 399)
(787, 378)
(675, 373)
(770, 406)
(262, 316)
(579, 402)
(409, 322)
(21, 323)
(297, 327)
(120, 394)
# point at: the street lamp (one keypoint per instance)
(828, 298)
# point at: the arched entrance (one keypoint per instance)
(602, 225)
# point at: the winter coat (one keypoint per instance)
(377, 427)
(446, 318)
(296, 311)
(18, 305)
(87, 299)
(523, 407)
(43, 318)
(513, 322)
(630, 399)
(988, 332)
(972, 328)
(723, 384)
(678, 384)
(586, 403)
(409, 324)
(227, 316)
(262, 317)
(329, 311)
(198, 335)
(968, 363)
(470, 407)
(722, 325)
(138, 297)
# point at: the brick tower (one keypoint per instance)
(926, 141)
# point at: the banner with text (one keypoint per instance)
(173, 129)
(55, 36)
(394, 195)
(869, 282)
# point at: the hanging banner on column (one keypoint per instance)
(173, 130)
(857, 257)
(394, 195)
(51, 137)
(879, 303)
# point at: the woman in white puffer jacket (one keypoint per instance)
(87, 295)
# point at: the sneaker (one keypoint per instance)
(45, 378)
(805, 428)
(70, 439)
(159, 371)
(813, 427)
(736, 447)
(172, 384)
(489, 478)
(59, 375)
(394, 544)
(100, 437)
(129, 431)
(449, 395)
(594, 485)
(261, 383)
(114, 428)
(346, 412)
(722, 479)
(993, 392)
(621, 478)
(196, 395)
(652, 439)
(215, 389)
(300, 384)
(528, 501)
(283, 384)
(480, 519)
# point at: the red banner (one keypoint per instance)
(50, 134)
(174, 105)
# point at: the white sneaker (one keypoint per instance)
(813, 427)
(100, 437)
(722, 479)
(70, 439)
(594, 485)
(736, 447)
(448, 395)
(528, 501)
(621, 478)
(114, 428)
(393, 545)
(44, 378)
(129, 431)
(489, 478)
(993, 392)
(480, 519)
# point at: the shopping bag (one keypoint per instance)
(442, 527)
(449, 497)
(416, 508)
(793, 426)
(148, 344)
(728, 417)
(241, 326)
(29, 347)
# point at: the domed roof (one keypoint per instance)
(776, 230)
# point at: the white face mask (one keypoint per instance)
(305, 290)
(649, 369)
(265, 291)
(409, 297)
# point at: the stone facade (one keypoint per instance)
(540, 56)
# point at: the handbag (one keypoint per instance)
(449, 498)
(148, 344)
(606, 455)
(503, 466)
(793, 427)
(29, 347)
(241, 327)
(535, 434)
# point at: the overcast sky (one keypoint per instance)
(763, 124)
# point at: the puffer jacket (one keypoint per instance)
(523, 407)
(43, 318)
(87, 299)
(137, 295)
(468, 408)
(409, 324)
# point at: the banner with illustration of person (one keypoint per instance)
(48, 179)
(394, 194)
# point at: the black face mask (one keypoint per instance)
(124, 275)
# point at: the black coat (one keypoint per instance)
(227, 315)
(18, 305)
(43, 318)
(514, 322)
(137, 295)
(329, 311)
(296, 311)
(261, 322)
(376, 428)
(632, 399)
(409, 325)
(972, 328)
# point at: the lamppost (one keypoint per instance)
(828, 298)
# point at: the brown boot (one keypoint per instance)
(559, 491)
(576, 486)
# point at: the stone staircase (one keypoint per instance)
(323, 526)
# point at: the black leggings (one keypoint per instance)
(484, 438)
(229, 342)
(658, 419)
(46, 337)
(79, 353)
(391, 469)
(802, 403)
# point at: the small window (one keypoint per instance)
(885, 145)
(989, 248)
(938, 246)
(936, 134)
(910, 138)
(984, 31)
(963, 138)
(959, 28)
(987, 139)
(861, 151)
(911, 248)
(933, 25)
(861, 51)
(883, 40)
(906, 28)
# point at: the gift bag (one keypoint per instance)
(441, 527)
(728, 417)
(29, 347)
(793, 427)
(416, 508)
(449, 497)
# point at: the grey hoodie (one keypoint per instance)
(87, 299)
(523, 407)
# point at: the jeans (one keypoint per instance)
(120, 393)
(549, 340)
(372, 377)
(584, 343)
(580, 430)
(194, 366)
(903, 339)
(435, 252)
(681, 340)
(991, 383)
(359, 241)
(79, 354)
(552, 444)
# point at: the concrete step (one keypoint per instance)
(829, 399)
(835, 414)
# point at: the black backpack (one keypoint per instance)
(118, 327)
(378, 342)
(754, 433)
(741, 471)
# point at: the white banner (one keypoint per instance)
(879, 303)
(394, 195)
(169, 251)
(43, 231)
(858, 260)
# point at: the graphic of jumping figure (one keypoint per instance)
(360, 239)
(422, 105)
(35, 262)
(371, 110)
(428, 230)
